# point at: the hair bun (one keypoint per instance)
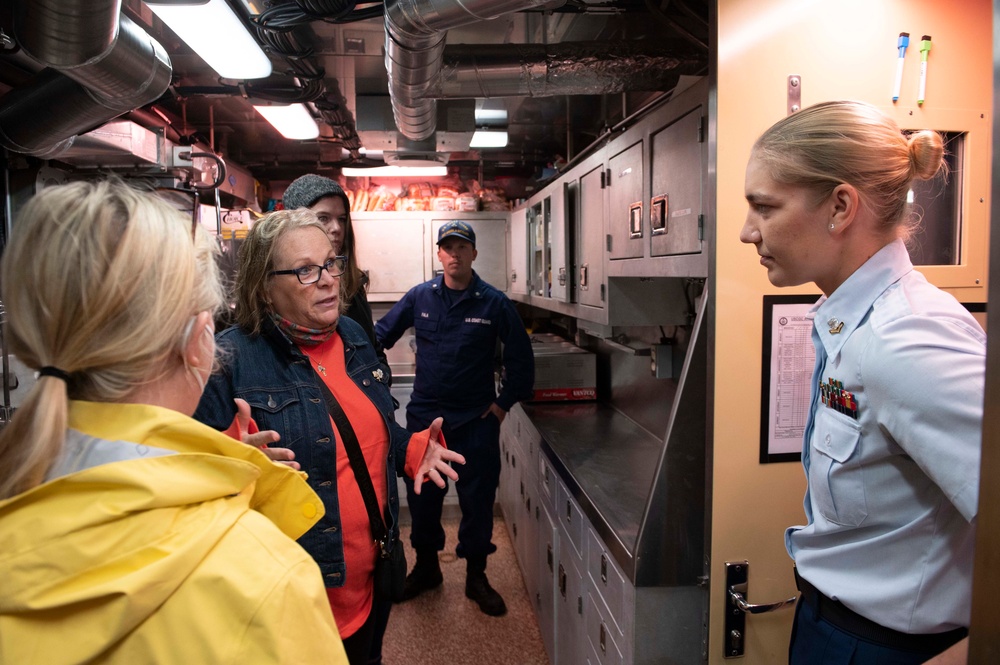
(926, 153)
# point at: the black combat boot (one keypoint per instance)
(478, 588)
(426, 574)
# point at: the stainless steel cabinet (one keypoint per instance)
(601, 635)
(392, 250)
(678, 161)
(590, 239)
(626, 215)
(519, 276)
(571, 643)
(559, 245)
(399, 250)
(614, 597)
(624, 180)
(547, 556)
(589, 609)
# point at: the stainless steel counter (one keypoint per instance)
(607, 462)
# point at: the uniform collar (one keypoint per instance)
(475, 289)
(838, 316)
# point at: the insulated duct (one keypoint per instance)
(580, 68)
(102, 65)
(414, 42)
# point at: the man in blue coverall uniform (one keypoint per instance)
(458, 318)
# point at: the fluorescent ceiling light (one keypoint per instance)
(395, 171)
(293, 121)
(490, 114)
(488, 139)
(215, 33)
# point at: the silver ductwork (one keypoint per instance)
(414, 43)
(539, 70)
(102, 64)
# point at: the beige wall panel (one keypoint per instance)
(841, 50)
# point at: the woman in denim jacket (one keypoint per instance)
(289, 336)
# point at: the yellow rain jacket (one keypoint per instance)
(174, 558)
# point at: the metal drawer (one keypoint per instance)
(571, 520)
(547, 482)
(607, 581)
(601, 633)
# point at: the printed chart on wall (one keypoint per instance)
(786, 370)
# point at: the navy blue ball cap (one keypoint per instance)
(457, 229)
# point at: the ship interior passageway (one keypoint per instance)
(443, 626)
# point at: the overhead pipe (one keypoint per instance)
(102, 64)
(571, 68)
(415, 33)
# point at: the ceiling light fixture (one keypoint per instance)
(491, 112)
(215, 33)
(395, 171)
(293, 121)
(483, 138)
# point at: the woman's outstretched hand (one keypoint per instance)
(436, 459)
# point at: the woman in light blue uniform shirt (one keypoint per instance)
(891, 448)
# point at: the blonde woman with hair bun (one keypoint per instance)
(892, 443)
(129, 532)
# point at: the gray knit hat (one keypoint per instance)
(310, 188)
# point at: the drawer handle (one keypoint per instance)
(522, 488)
(513, 461)
(515, 529)
(569, 512)
(604, 632)
(548, 556)
(527, 505)
(604, 569)
(562, 580)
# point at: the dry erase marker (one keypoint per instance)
(904, 41)
(925, 48)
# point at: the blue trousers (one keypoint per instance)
(479, 441)
(816, 641)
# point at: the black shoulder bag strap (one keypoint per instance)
(353, 448)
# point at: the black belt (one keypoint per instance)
(850, 621)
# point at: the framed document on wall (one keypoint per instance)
(787, 359)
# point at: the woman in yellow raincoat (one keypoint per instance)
(130, 533)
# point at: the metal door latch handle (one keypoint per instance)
(737, 608)
(739, 601)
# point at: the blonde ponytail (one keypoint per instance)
(99, 281)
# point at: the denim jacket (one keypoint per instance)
(278, 382)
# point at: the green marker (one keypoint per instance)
(925, 48)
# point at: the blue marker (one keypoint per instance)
(904, 41)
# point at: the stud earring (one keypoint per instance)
(831, 227)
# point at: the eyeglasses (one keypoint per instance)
(311, 274)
